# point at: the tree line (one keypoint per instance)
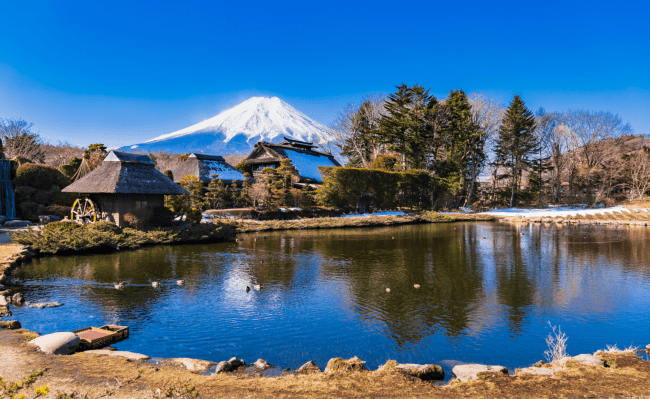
(490, 154)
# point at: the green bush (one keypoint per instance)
(103, 227)
(39, 176)
(59, 210)
(63, 226)
(28, 210)
(23, 193)
(343, 186)
(64, 199)
(161, 217)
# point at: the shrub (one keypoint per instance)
(59, 210)
(556, 342)
(39, 176)
(138, 218)
(63, 226)
(29, 210)
(104, 227)
(161, 216)
(23, 193)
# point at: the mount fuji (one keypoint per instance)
(236, 130)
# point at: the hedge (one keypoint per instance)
(342, 186)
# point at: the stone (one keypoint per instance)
(236, 363)
(10, 325)
(586, 359)
(3, 219)
(466, 372)
(60, 343)
(425, 372)
(16, 224)
(308, 368)
(3, 301)
(44, 305)
(535, 371)
(48, 218)
(223, 367)
(338, 365)
(647, 347)
(4, 312)
(262, 364)
(195, 364)
(128, 355)
(17, 299)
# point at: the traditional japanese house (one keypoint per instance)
(123, 183)
(204, 166)
(302, 155)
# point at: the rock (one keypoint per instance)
(466, 372)
(43, 305)
(223, 367)
(308, 368)
(48, 218)
(128, 355)
(262, 364)
(589, 360)
(3, 219)
(536, 371)
(10, 325)
(3, 301)
(60, 343)
(4, 312)
(195, 364)
(236, 363)
(338, 365)
(15, 224)
(647, 347)
(17, 299)
(425, 372)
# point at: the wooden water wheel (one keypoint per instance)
(84, 211)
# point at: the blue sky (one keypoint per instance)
(123, 72)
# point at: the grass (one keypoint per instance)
(103, 236)
(245, 226)
(556, 341)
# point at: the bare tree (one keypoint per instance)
(589, 131)
(638, 167)
(258, 193)
(61, 153)
(19, 142)
(486, 114)
(352, 130)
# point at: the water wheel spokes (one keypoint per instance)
(84, 211)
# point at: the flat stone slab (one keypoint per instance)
(195, 364)
(128, 355)
(536, 371)
(587, 359)
(44, 305)
(3, 301)
(60, 343)
(466, 372)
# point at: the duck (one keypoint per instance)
(180, 282)
(258, 287)
(247, 288)
(155, 284)
(119, 285)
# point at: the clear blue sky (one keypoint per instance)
(122, 72)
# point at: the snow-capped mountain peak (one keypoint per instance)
(236, 130)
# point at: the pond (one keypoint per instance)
(488, 293)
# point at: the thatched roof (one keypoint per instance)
(204, 166)
(125, 173)
(302, 156)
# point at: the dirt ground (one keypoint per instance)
(92, 376)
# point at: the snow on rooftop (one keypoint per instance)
(307, 164)
(553, 212)
(223, 170)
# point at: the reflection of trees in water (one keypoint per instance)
(442, 262)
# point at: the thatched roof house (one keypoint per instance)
(204, 166)
(123, 183)
(302, 156)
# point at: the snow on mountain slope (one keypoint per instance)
(236, 130)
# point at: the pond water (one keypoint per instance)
(487, 294)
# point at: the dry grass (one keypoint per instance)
(9, 250)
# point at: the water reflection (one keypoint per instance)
(487, 290)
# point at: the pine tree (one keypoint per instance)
(517, 143)
(217, 195)
(244, 199)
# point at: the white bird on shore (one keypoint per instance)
(416, 285)
(119, 285)
(155, 284)
(387, 289)
(258, 287)
(180, 282)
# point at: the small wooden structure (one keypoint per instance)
(123, 183)
(302, 156)
(95, 338)
(204, 166)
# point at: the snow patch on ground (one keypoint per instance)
(553, 212)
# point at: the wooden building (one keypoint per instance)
(204, 166)
(123, 183)
(302, 156)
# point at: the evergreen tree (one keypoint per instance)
(244, 198)
(517, 143)
(234, 194)
(217, 195)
